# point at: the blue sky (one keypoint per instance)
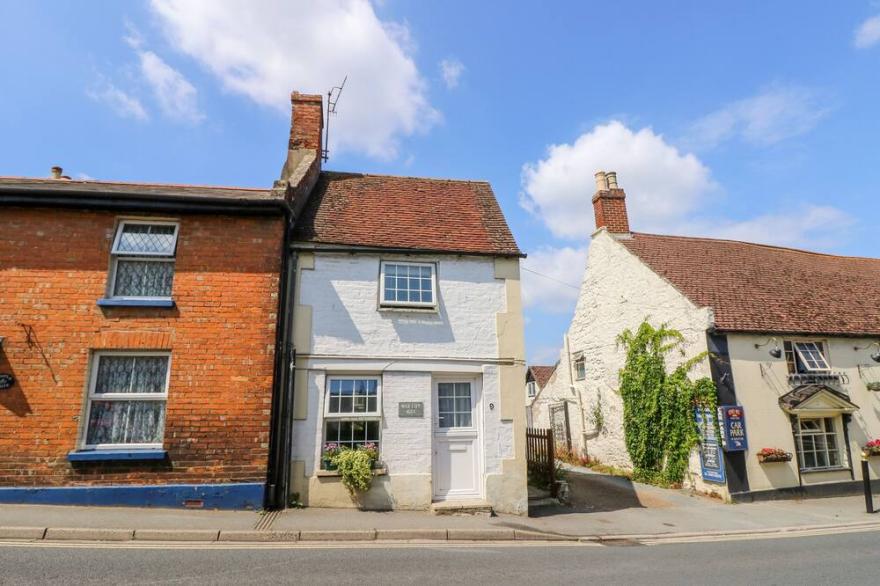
(750, 120)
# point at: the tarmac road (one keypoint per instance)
(850, 558)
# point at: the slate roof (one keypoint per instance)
(797, 396)
(542, 374)
(382, 211)
(768, 289)
(122, 189)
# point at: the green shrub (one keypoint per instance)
(355, 467)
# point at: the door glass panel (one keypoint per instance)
(454, 405)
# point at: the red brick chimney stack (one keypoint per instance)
(609, 204)
(307, 122)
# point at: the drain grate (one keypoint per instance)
(266, 520)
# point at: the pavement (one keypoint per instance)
(601, 509)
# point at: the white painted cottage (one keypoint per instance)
(408, 333)
(794, 338)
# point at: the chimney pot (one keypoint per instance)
(56, 172)
(601, 181)
(611, 178)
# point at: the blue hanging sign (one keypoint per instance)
(711, 456)
(733, 428)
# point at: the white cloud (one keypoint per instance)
(176, 95)
(122, 103)
(663, 184)
(773, 115)
(551, 278)
(451, 70)
(545, 355)
(868, 33)
(805, 226)
(310, 46)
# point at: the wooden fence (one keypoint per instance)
(541, 458)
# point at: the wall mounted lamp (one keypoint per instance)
(775, 351)
(875, 356)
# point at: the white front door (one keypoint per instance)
(456, 440)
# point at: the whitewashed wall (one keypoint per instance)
(350, 334)
(619, 292)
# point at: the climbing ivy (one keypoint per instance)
(658, 406)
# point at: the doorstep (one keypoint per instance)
(462, 507)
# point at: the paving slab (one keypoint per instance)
(259, 536)
(412, 534)
(22, 532)
(124, 517)
(176, 534)
(352, 535)
(88, 534)
(480, 534)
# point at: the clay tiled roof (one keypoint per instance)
(122, 189)
(542, 374)
(758, 288)
(405, 212)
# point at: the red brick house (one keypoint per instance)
(143, 332)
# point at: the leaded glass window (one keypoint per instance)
(143, 259)
(408, 284)
(127, 400)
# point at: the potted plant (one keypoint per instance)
(330, 451)
(372, 451)
(873, 386)
(768, 455)
(872, 448)
(355, 468)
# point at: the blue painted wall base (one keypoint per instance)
(212, 496)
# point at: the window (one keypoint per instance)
(454, 407)
(143, 260)
(580, 366)
(408, 285)
(805, 357)
(531, 388)
(818, 444)
(126, 404)
(352, 411)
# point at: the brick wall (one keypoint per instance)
(609, 208)
(53, 269)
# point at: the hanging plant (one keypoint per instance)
(658, 406)
(356, 468)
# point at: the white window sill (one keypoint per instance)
(381, 471)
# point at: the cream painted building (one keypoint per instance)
(408, 333)
(793, 337)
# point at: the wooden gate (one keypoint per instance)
(541, 457)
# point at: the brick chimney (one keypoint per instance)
(609, 204)
(306, 122)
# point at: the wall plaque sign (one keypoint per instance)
(733, 428)
(6, 381)
(411, 409)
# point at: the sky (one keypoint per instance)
(749, 120)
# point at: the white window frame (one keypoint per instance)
(413, 304)
(117, 255)
(579, 357)
(839, 440)
(92, 396)
(366, 415)
(815, 346)
(531, 388)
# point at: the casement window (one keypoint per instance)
(819, 443)
(406, 284)
(353, 411)
(126, 401)
(805, 357)
(143, 257)
(580, 366)
(531, 388)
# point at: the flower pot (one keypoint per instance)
(873, 386)
(771, 458)
(871, 452)
(328, 464)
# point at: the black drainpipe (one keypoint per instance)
(278, 472)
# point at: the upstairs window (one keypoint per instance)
(580, 366)
(405, 284)
(805, 357)
(143, 257)
(531, 388)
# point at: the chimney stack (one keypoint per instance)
(56, 172)
(609, 204)
(306, 122)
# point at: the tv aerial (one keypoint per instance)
(332, 99)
